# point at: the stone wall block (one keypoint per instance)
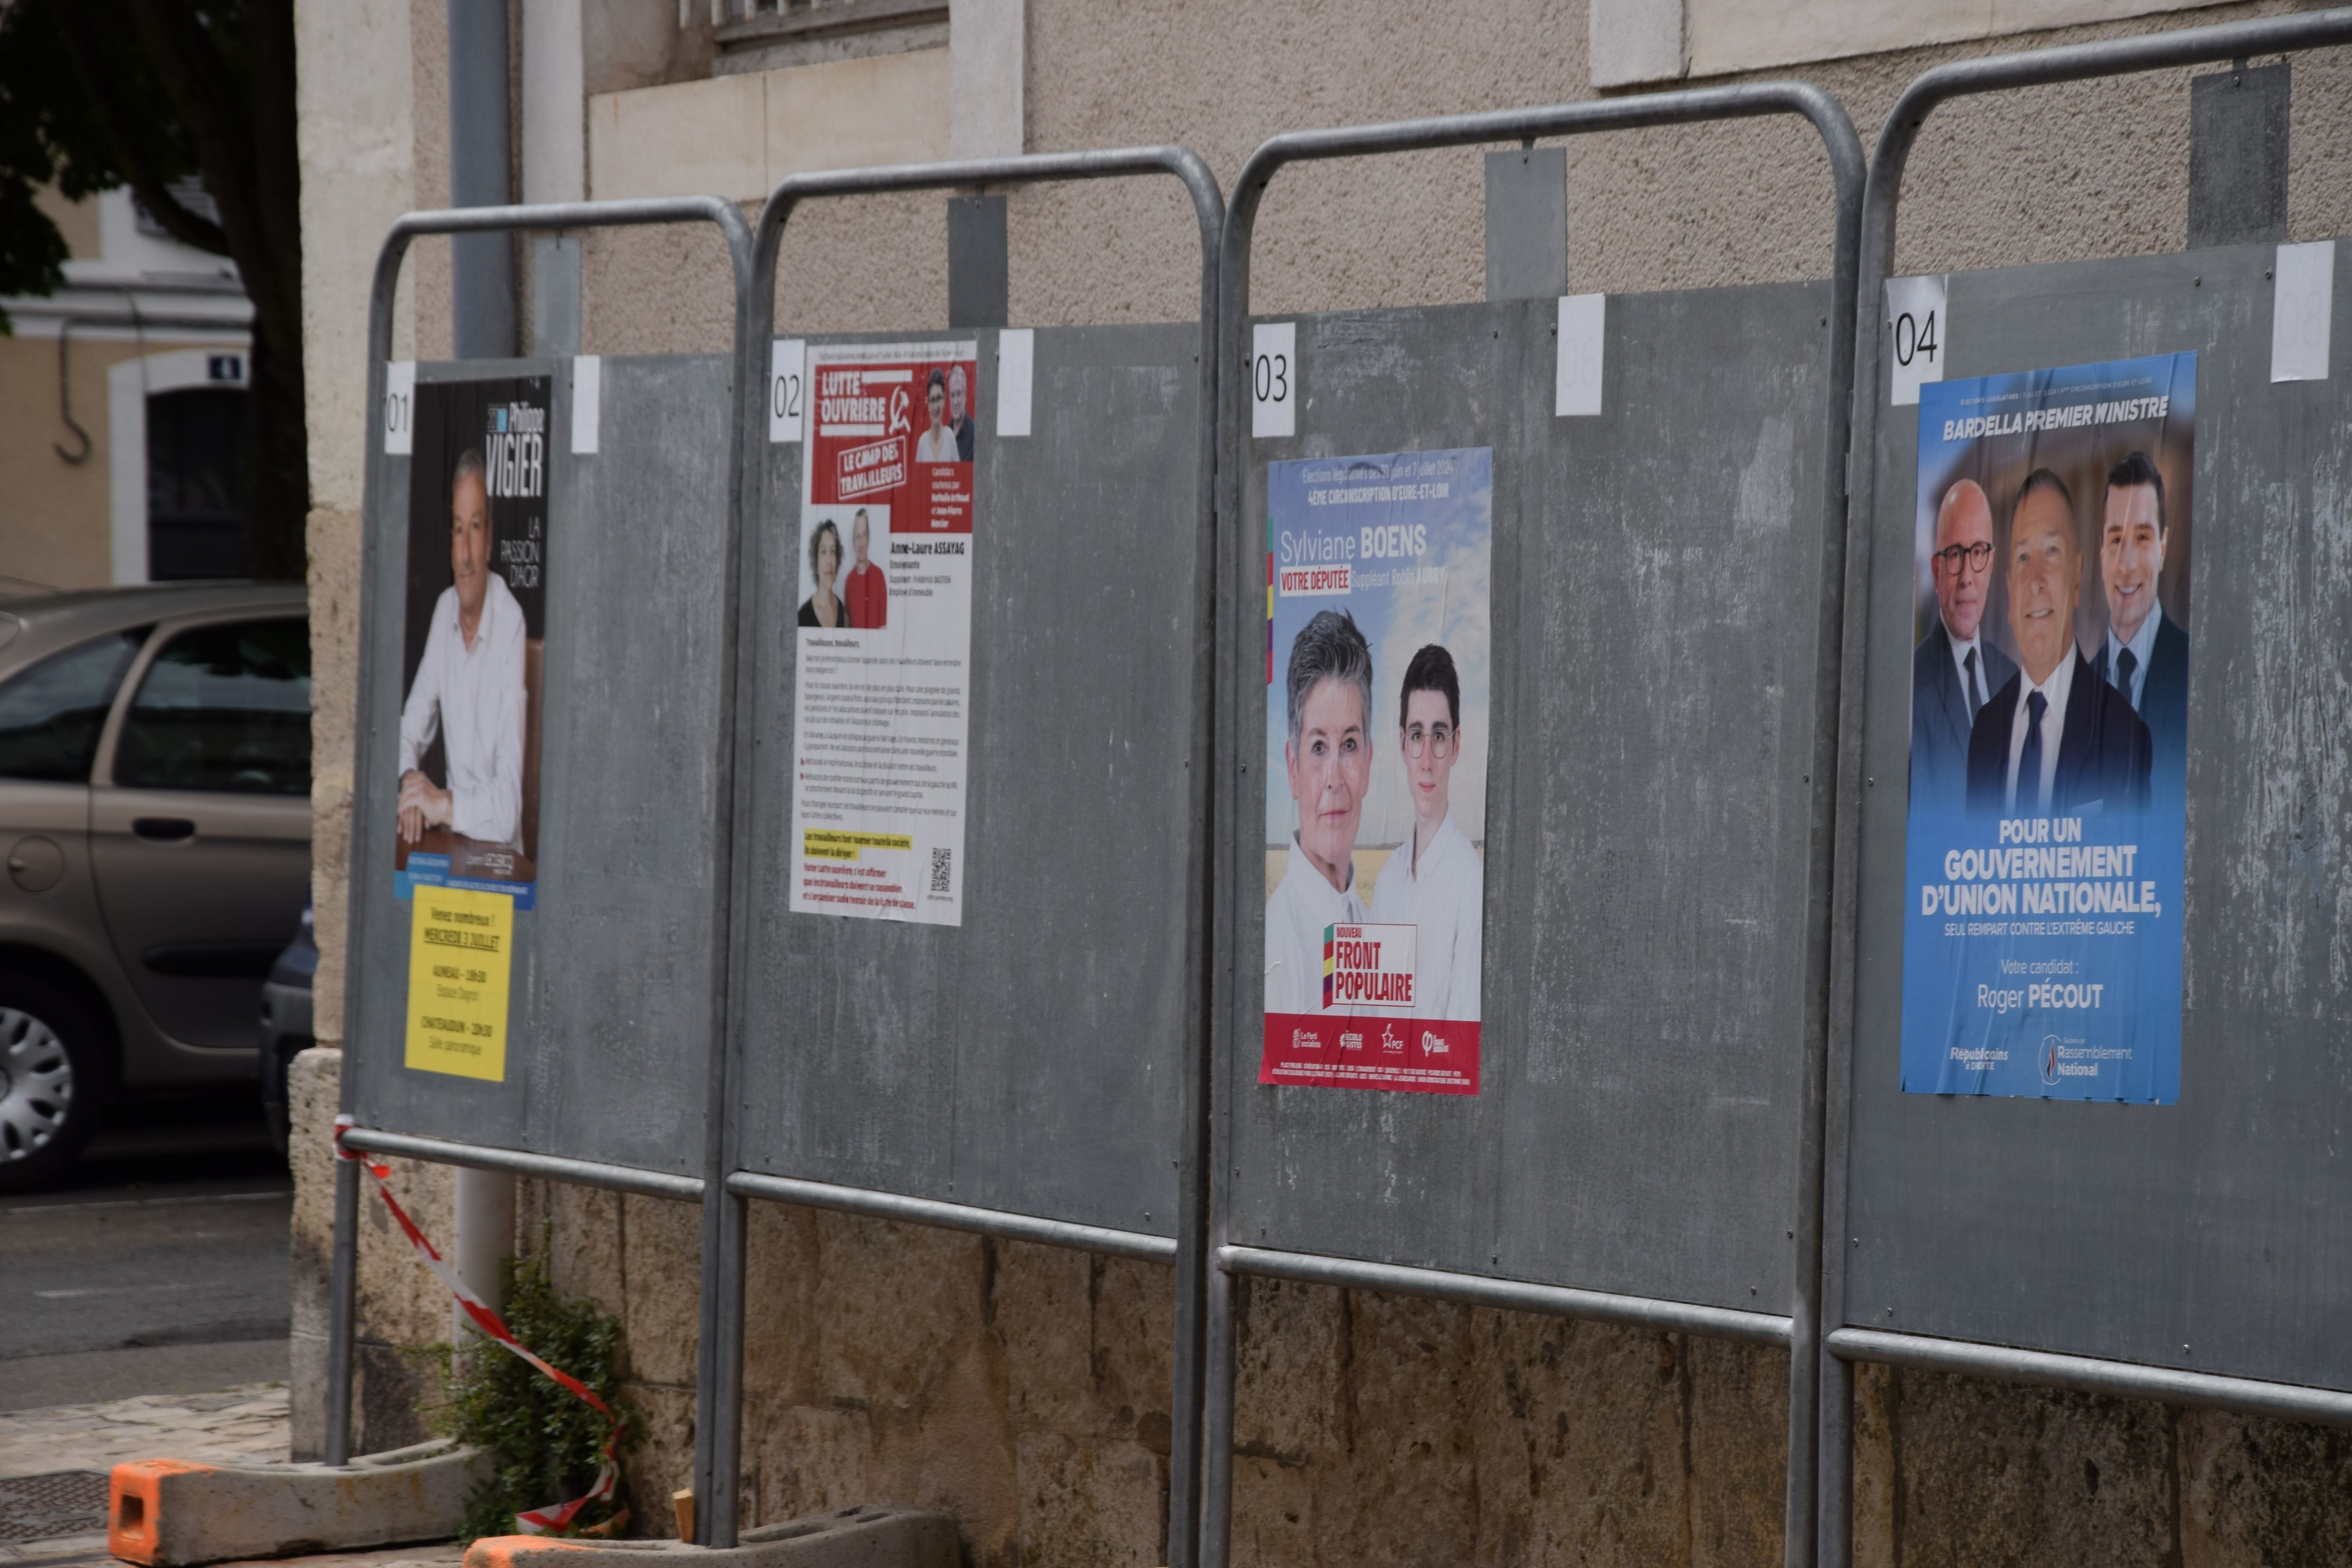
(1995, 1474)
(1045, 1316)
(1091, 1505)
(1739, 1434)
(1289, 1397)
(662, 1263)
(665, 1460)
(585, 1253)
(2256, 1493)
(1134, 1342)
(1578, 1435)
(1276, 1519)
(780, 1296)
(1405, 1483)
(902, 1298)
(1876, 1490)
(801, 1458)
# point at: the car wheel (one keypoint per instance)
(52, 1082)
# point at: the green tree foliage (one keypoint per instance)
(144, 94)
(548, 1442)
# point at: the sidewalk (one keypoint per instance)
(73, 1446)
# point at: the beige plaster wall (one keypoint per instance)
(56, 526)
(1026, 1390)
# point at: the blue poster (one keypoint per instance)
(2044, 848)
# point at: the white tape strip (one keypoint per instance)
(587, 402)
(1016, 351)
(1576, 378)
(2302, 302)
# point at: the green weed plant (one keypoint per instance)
(546, 1441)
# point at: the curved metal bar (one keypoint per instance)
(719, 1329)
(552, 1167)
(1881, 203)
(879, 1205)
(1194, 1278)
(2090, 1374)
(1512, 1295)
(1697, 105)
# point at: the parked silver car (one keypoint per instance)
(155, 820)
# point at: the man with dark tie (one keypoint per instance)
(2145, 654)
(1953, 670)
(2056, 740)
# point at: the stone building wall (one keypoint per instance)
(1025, 1389)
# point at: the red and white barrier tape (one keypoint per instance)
(537, 1520)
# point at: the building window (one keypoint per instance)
(767, 34)
(196, 484)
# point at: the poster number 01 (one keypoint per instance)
(1274, 379)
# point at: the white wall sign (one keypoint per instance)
(399, 414)
(787, 388)
(2303, 299)
(1274, 379)
(1576, 378)
(1917, 323)
(587, 401)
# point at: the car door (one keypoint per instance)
(51, 715)
(200, 828)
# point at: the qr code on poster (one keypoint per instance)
(942, 871)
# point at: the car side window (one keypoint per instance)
(223, 708)
(50, 715)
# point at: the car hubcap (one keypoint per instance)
(36, 1084)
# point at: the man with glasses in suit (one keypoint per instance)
(1955, 669)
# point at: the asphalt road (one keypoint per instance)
(158, 1266)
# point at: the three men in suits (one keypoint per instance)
(2145, 654)
(1954, 670)
(2056, 739)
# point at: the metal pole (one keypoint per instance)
(1192, 1273)
(481, 175)
(1881, 200)
(1827, 118)
(343, 1292)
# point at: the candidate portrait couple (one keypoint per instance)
(863, 601)
(1435, 881)
(2050, 732)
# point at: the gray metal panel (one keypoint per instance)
(2214, 1235)
(1029, 1060)
(1527, 224)
(2238, 124)
(613, 980)
(1657, 573)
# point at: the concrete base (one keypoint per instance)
(874, 1535)
(166, 1513)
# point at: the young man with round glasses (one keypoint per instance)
(1437, 880)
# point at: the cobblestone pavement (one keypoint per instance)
(232, 1426)
(236, 1424)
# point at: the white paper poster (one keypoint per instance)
(883, 683)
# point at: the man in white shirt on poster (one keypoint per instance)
(1329, 760)
(1437, 881)
(469, 688)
